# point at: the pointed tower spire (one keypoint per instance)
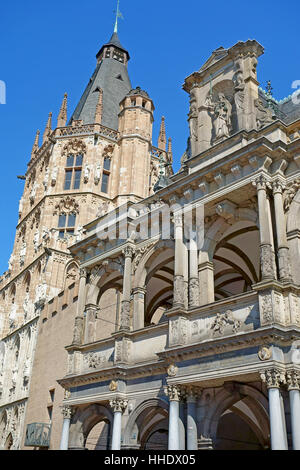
(99, 108)
(170, 151)
(62, 117)
(162, 140)
(48, 128)
(35, 147)
(118, 15)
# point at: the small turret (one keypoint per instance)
(62, 116)
(162, 140)
(48, 128)
(35, 147)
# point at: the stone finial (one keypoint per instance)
(48, 128)
(99, 108)
(162, 140)
(170, 151)
(35, 147)
(62, 116)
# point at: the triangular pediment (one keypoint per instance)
(216, 56)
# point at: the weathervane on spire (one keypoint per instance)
(118, 15)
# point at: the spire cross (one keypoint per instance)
(118, 15)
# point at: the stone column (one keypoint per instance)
(79, 319)
(90, 323)
(67, 415)
(193, 274)
(139, 294)
(267, 257)
(173, 392)
(125, 309)
(282, 244)
(178, 300)
(192, 395)
(273, 379)
(118, 405)
(293, 381)
(206, 281)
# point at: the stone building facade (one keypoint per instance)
(158, 310)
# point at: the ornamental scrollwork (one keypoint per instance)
(74, 146)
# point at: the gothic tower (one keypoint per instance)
(85, 167)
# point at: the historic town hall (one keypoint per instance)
(147, 309)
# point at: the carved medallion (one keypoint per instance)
(172, 370)
(113, 386)
(265, 353)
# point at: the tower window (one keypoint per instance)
(66, 224)
(105, 175)
(73, 172)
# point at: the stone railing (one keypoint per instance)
(88, 129)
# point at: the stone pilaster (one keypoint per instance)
(178, 299)
(267, 256)
(283, 255)
(125, 309)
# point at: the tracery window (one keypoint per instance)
(66, 224)
(106, 174)
(73, 171)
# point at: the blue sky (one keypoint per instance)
(47, 48)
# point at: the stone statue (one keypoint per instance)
(33, 192)
(193, 120)
(54, 176)
(263, 115)
(36, 240)
(23, 253)
(79, 233)
(26, 371)
(27, 307)
(13, 316)
(97, 173)
(41, 295)
(10, 261)
(87, 171)
(21, 207)
(46, 178)
(239, 88)
(221, 111)
(45, 235)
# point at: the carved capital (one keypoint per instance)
(192, 393)
(128, 252)
(83, 272)
(293, 379)
(278, 187)
(67, 412)
(177, 219)
(273, 378)
(174, 392)
(261, 183)
(118, 405)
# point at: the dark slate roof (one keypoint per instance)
(112, 77)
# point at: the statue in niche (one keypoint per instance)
(97, 173)
(193, 120)
(33, 192)
(10, 261)
(54, 176)
(221, 111)
(23, 253)
(263, 115)
(45, 235)
(46, 178)
(79, 233)
(13, 316)
(36, 240)
(20, 207)
(27, 307)
(239, 89)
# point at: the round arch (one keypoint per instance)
(83, 422)
(142, 420)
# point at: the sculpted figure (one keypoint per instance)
(221, 111)
(263, 115)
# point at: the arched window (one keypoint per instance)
(73, 172)
(105, 174)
